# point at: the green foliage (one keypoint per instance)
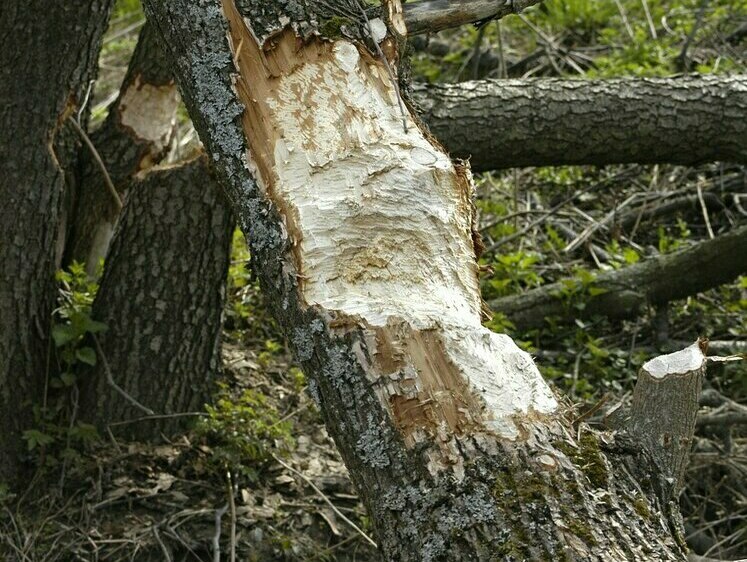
(669, 242)
(72, 322)
(129, 9)
(246, 318)
(513, 272)
(56, 434)
(243, 433)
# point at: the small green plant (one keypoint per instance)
(244, 433)
(57, 435)
(73, 322)
(671, 243)
(513, 272)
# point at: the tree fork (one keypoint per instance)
(361, 232)
(135, 136)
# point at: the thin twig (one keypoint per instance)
(219, 513)
(650, 20)
(159, 417)
(705, 212)
(97, 157)
(326, 500)
(682, 57)
(534, 223)
(625, 21)
(165, 550)
(232, 511)
(114, 385)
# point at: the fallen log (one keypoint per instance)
(624, 293)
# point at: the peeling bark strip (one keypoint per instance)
(548, 122)
(48, 55)
(135, 136)
(628, 291)
(361, 234)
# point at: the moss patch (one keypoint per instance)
(588, 458)
(332, 28)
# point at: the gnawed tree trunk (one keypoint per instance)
(48, 55)
(547, 122)
(664, 411)
(626, 292)
(361, 232)
(161, 296)
(135, 136)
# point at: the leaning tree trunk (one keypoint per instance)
(362, 232)
(548, 122)
(161, 297)
(135, 136)
(48, 56)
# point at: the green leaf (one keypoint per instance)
(92, 326)
(68, 379)
(35, 438)
(86, 355)
(62, 334)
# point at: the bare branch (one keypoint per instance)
(429, 16)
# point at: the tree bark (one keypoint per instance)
(547, 122)
(135, 136)
(626, 292)
(162, 297)
(45, 71)
(431, 16)
(664, 411)
(361, 232)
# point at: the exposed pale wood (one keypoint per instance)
(664, 411)
(343, 207)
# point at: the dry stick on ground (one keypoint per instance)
(219, 513)
(326, 500)
(114, 385)
(653, 281)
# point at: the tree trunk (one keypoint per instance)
(361, 232)
(161, 296)
(135, 136)
(547, 122)
(48, 56)
(626, 292)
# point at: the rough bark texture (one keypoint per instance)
(162, 296)
(627, 291)
(135, 136)
(45, 70)
(452, 464)
(430, 16)
(665, 409)
(546, 122)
